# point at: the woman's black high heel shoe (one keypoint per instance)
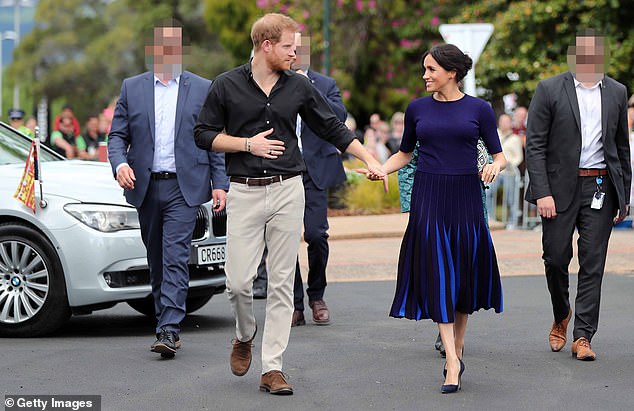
(453, 388)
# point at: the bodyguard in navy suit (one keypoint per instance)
(165, 176)
(323, 170)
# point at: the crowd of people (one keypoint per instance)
(67, 137)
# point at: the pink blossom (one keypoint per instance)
(306, 14)
(340, 3)
(359, 5)
(284, 8)
(435, 21)
(372, 4)
(389, 75)
(405, 43)
(346, 94)
(262, 3)
(397, 23)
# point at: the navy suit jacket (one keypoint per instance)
(131, 139)
(323, 161)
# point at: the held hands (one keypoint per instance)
(546, 207)
(374, 172)
(260, 146)
(126, 178)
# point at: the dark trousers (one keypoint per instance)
(594, 228)
(316, 235)
(167, 225)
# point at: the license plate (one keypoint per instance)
(211, 254)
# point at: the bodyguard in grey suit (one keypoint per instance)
(578, 160)
(165, 176)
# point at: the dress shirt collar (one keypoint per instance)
(578, 83)
(177, 79)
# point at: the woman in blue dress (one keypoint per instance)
(447, 265)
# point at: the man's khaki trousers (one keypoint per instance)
(269, 215)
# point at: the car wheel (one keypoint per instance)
(146, 305)
(33, 299)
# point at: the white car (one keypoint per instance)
(83, 250)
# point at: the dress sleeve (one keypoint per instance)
(409, 132)
(488, 129)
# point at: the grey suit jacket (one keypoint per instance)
(131, 139)
(553, 140)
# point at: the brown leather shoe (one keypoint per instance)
(298, 318)
(275, 383)
(240, 360)
(321, 315)
(582, 349)
(557, 336)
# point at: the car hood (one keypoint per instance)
(84, 181)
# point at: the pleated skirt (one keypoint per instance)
(447, 262)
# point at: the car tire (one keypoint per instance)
(33, 298)
(146, 305)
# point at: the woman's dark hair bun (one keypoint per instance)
(451, 58)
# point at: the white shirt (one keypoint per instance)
(589, 100)
(165, 99)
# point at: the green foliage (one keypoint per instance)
(531, 39)
(81, 50)
(368, 197)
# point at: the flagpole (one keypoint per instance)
(43, 203)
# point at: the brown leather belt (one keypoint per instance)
(162, 175)
(262, 181)
(592, 172)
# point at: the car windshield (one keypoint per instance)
(14, 148)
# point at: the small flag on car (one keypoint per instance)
(26, 189)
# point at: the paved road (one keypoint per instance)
(363, 361)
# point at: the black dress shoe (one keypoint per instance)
(259, 293)
(166, 344)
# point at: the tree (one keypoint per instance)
(81, 50)
(531, 39)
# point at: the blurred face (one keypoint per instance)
(92, 125)
(375, 119)
(588, 61)
(520, 116)
(66, 126)
(437, 78)
(281, 55)
(302, 50)
(16, 122)
(504, 123)
(166, 54)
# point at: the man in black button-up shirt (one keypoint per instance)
(250, 114)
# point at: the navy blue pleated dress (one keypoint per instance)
(447, 261)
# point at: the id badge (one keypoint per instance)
(597, 200)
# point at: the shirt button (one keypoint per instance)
(268, 104)
(267, 122)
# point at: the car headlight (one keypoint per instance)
(105, 218)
